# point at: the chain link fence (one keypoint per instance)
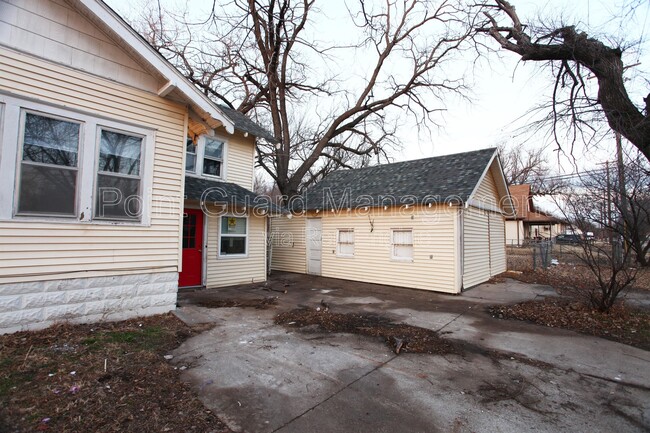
(543, 254)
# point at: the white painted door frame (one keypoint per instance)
(314, 241)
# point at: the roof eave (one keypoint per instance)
(174, 78)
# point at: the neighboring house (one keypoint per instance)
(434, 224)
(94, 125)
(529, 224)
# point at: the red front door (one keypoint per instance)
(192, 248)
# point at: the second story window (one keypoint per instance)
(190, 156)
(213, 157)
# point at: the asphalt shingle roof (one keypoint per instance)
(244, 124)
(225, 192)
(429, 180)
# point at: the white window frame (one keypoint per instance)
(96, 173)
(220, 235)
(195, 153)
(393, 245)
(200, 154)
(19, 170)
(222, 161)
(11, 157)
(339, 244)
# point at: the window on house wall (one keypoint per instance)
(213, 157)
(190, 156)
(49, 165)
(233, 236)
(345, 242)
(58, 162)
(402, 244)
(119, 195)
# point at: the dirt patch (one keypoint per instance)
(260, 304)
(398, 336)
(100, 378)
(621, 324)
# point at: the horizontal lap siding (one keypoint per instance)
(487, 193)
(57, 248)
(288, 244)
(229, 271)
(239, 160)
(55, 31)
(476, 248)
(434, 248)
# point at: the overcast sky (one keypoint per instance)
(503, 89)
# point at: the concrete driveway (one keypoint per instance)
(517, 377)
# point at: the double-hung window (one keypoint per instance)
(233, 236)
(119, 194)
(345, 242)
(213, 157)
(63, 163)
(402, 244)
(190, 156)
(49, 166)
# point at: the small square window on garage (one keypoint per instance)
(402, 244)
(345, 242)
(233, 236)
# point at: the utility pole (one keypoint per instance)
(609, 206)
(621, 187)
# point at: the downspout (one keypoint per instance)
(269, 244)
(461, 252)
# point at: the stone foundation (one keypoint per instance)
(39, 304)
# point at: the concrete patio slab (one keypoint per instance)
(261, 377)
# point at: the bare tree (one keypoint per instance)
(607, 263)
(523, 165)
(258, 56)
(623, 210)
(573, 55)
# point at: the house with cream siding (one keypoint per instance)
(99, 135)
(434, 224)
(529, 223)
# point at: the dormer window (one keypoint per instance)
(213, 157)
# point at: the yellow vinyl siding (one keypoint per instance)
(486, 193)
(497, 244)
(434, 248)
(434, 261)
(228, 271)
(239, 160)
(476, 249)
(288, 244)
(55, 31)
(62, 246)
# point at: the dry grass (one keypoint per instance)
(106, 377)
(620, 324)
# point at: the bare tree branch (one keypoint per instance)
(574, 53)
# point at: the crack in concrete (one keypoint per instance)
(335, 394)
(452, 320)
